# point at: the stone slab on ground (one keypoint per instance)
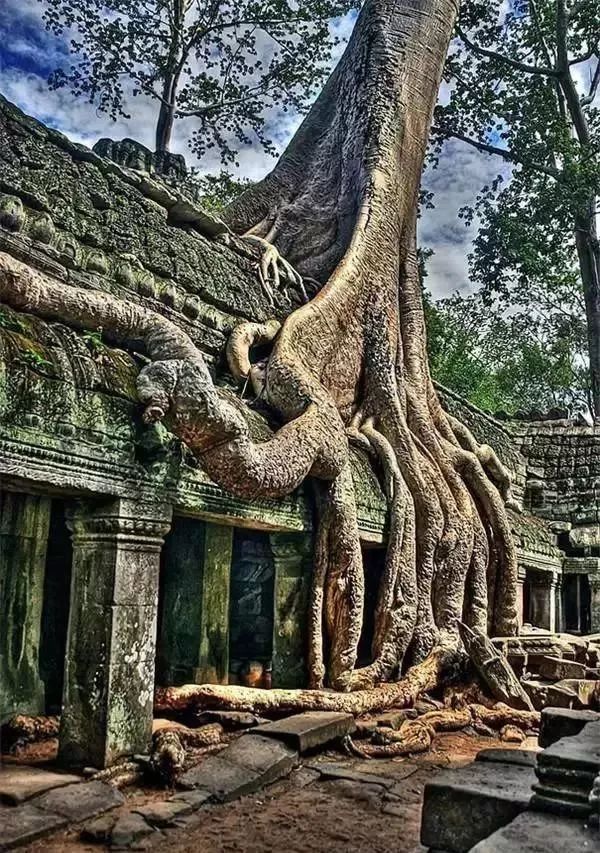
(562, 722)
(80, 802)
(128, 830)
(524, 757)
(556, 669)
(533, 832)
(462, 807)
(247, 764)
(195, 798)
(304, 732)
(223, 780)
(267, 757)
(335, 770)
(163, 814)
(22, 824)
(19, 782)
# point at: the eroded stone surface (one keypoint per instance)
(164, 814)
(523, 757)
(462, 807)
(129, 828)
(561, 722)
(19, 783)
(532, 832)
(20, 825)
(80, 802)
(310, 730)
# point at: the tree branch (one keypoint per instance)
(512, 63)
(509, 156)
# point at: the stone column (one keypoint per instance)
(109, 668)
(543, 600)
(521, 575)
(558, 605)
(194, 635)
(291, 553)
(24, 525)
(594, 604)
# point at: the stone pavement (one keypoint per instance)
(326, 802)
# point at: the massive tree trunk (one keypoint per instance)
(588, 253)
(350, 365)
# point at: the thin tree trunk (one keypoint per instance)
(166, 119)
(588, 252)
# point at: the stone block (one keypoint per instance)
(462, 807)
(164, 814)
(267, 757)
(307, 731)
(557, 669)
(523, 757)
(245, 766)
(195, 798)
(544, 694)
(80, 802)
(223, 780)
(583, 688)
(533, 832)
(129, 829)
(561, 722)
(19, 782)
(19, 826)
(230, 719)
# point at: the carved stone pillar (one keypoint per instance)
(109, 669)
(543, 600)
(24, 524)
(194, 635)
(291, 553)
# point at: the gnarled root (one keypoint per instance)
(401, 694)
(418, 735)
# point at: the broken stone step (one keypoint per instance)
(304, 732)
(25, 823)
(80, 802)
(523, 757)
(19, 783)
(558, 723)
(533, 832)
(557, 669)
(245, 766)
(462, 807)
(579, 753)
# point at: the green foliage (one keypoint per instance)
(94, 342)
(505, 362)
(33, 359)
(215, 192)
(225, 64)
(524, 86)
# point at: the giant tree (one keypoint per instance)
(524, 83)
(348, 366)
(223, 64)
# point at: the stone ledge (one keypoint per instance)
(462, 807)
(309, 730)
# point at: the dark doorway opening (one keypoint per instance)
(55, 611)
(373, 567)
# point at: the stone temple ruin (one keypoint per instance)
(121, 565)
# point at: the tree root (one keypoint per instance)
(417, 735)
(401, 694)
(22, 729)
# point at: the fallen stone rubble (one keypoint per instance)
(516, 800)
(556, 670)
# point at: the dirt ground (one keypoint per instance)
(306, 814)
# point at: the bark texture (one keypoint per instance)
(350, 365)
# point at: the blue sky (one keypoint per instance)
(28, 53)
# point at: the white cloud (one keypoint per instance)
(460, 175)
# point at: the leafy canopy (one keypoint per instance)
(523, 82)
(226, 64)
